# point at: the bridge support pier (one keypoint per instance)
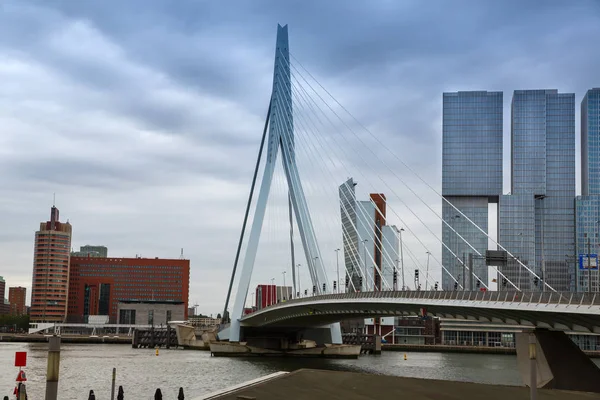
(560, 363)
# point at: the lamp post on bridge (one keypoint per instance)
(337, 262)
(273, 288)
(315, 265)
(364, 242)
(299, 287)
(284, 287)
(427, 270)
(402, 257)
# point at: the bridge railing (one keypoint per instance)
(537, 297)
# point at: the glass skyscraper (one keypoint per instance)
(471, 178)
(587, 206)
(543, 173)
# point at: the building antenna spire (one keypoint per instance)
(54, 199)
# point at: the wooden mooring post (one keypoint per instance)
(53, 368)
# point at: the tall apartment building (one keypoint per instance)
(16, 298)
(98, 284)
(371, 249)
(91, 251)
(587, 206)
(50, 285)
(537, 220)
(4, 309)
(471, 179)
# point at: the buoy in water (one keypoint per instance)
(405, 358)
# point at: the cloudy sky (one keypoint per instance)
(144, 117)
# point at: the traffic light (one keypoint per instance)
(334, 285)
(535, 281)
(455, 285)
(360, 282)
(435, 286)
(416, 274)
(504, 282)
(347, 281)
(323, 288)
(306, 292)
(395, 277)
(297, 294)
(314, 289)
(478, 283)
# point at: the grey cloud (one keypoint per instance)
(135, 109)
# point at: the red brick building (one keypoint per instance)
(96, 285)
(16, 298)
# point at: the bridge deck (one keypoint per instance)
(333, 385)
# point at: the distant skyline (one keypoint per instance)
(146, 124)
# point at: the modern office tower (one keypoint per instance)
(471, 179)
(587, 206)
(16, 298)
(50, 284)
(349, 234)
(98, 284)
(91, 251)
(370, 245)
(542, 171)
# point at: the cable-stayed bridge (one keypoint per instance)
(302, 201)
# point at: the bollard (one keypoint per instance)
(53, 368)
(23, 392)
(120, 395)
(112, 389)
(180, 395)
(158, 394)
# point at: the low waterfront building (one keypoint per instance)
(150, 312)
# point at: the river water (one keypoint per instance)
(140, 371)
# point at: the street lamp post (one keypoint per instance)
(315, 266)
(299, 287)
(402, 257)
(337, 262)
(520, 265)
(273, 298)
(364, 242)
(284, 288)
(427, 270)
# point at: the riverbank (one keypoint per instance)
(440, 348)
(77, 339)
(333, 385)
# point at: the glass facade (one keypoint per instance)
(590, 143)
(471, 177)
(472, 144)
(543, 167)
(587, 207)
(516, 233)
(457, 253)
(587, 210)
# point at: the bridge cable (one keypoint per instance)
(427, 184)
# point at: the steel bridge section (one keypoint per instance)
(556, 311)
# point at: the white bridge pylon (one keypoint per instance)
(281, 137)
